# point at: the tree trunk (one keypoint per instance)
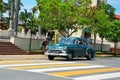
(66, 33)
(0, 17)
(17, 4)
(39, 32)
(62, 33)
(30, 40)
(11, 13)
(101, 44)
(94, 40)
(72, 32)
(115, 48)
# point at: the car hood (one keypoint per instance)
(58, 46)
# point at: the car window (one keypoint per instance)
(80, 42)
(66, 41)
(84, 42)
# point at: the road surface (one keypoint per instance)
(60, 69)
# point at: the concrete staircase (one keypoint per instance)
(7, 48)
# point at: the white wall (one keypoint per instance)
(105, 47)
(94, 2)
(23, 43)
(4, 33)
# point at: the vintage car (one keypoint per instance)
(70, 47)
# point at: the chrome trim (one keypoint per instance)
(56, 53)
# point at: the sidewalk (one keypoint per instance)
(22, 57)
(34, 57)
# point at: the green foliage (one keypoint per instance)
(29, 20)
(114, 34)
(3, 8)
(101, 19)
(62, 14)
(102, 23)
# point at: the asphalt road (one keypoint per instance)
(59, 69)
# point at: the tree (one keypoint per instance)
(30, 22)
(114, 33)
(14, 8)
(24, 17)
(102, 24)
(100, 20)
(104, 18)
(11, 13)
(61, 15)
(3, 8)
(16, 13)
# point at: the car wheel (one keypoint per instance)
(69, 57)
(51, 57)
(89, 56)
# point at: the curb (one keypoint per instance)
(36, 57)
(22, 57)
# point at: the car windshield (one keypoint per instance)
(66, 41)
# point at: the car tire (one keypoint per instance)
(51, 57)
(89, 56)
(69, 57)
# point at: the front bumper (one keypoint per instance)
(56, 54)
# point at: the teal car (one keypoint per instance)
(70, 47)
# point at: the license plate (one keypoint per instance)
(53, 54)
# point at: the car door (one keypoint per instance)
(81, 47)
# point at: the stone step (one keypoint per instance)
(12, 52)
(7, 48)
(5, 43)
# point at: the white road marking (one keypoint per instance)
(15, 65)
(64, 68)
(45, 70)
(99, 76)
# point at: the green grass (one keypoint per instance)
(36, 50)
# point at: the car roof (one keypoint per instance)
(74, 38)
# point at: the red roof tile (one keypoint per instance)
(117, 16)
